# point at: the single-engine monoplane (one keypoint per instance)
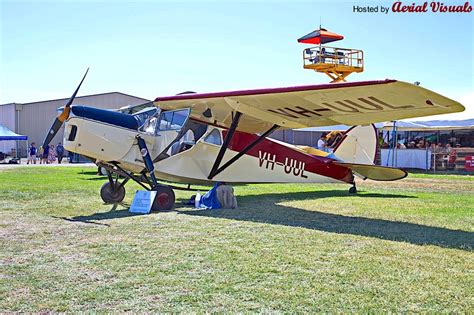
(223, 137)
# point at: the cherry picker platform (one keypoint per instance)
(337, 63)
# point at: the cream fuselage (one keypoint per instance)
(107, 143)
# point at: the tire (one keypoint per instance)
(111, 195)
(353, 190)
(164, 199)
(101, 171)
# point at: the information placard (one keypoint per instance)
(142, 201)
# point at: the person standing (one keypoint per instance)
(51, 154)
(44, 156)
(32, 154)
(60, 152)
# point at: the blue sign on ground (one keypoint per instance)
(142, 201)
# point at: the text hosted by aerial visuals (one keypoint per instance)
(398, 7)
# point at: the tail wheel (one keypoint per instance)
(112, 193)
(353, 190)
(164, 199)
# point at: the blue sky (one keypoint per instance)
(151, 48)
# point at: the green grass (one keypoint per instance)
(442, 176)
(398, 246)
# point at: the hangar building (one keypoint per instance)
(34, 119)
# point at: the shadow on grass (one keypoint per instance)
(278, 197)
(302, 195)
(99, 216)
(97, 177)
(92, 173)
(262, 209)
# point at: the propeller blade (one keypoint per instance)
(77, 90)
(52, 132)
(62, 116)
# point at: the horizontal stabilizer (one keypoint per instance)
(375, 172)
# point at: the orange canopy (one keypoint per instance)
(320, 36)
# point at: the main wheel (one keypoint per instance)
(164, 199)
(353, 190)
(112, 193)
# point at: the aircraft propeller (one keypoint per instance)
(63, 116)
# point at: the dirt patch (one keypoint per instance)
(423, 184)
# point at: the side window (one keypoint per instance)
(173, 120)
(214, 137)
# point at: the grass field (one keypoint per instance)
(399, 246)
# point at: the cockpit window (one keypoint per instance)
(169, 120)
(214, 137)
(144, 114)
(150, 125)
(173, 120)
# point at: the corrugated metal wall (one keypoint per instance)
(36, 118)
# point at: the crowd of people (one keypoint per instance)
(444, 154)
(47, 155)
(420, 143)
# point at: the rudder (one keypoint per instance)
(358, 145)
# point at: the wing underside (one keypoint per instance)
(358, 103)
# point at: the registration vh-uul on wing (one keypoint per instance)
(223, 137)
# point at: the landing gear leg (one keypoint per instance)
(164, 199)
(113, 191)
(353, 189)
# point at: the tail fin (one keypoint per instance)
(358, 148)
(358, 145)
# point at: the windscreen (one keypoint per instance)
(144, 114)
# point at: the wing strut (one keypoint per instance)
(225, 145)
(215, 168)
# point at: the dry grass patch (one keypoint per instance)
(404, 246)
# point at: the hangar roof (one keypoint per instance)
(78, 97)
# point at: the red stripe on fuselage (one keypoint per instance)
(313, 164)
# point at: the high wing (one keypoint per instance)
(355, 103)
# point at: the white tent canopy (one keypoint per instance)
(432, 125)
(8, 135)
